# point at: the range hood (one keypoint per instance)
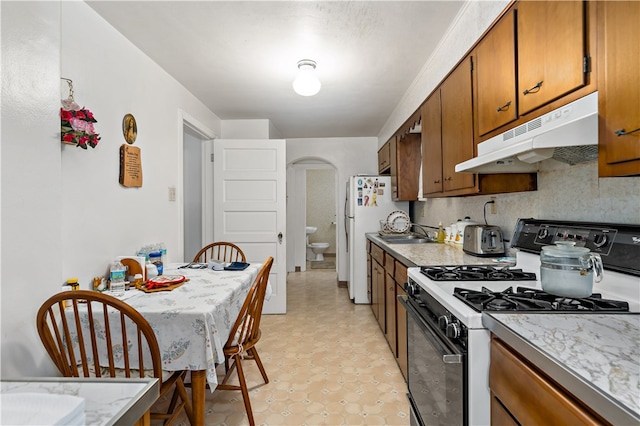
(568, 134)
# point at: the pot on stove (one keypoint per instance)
(568, 271)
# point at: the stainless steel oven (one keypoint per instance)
(436, 363)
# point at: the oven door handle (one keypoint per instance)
(448, 356)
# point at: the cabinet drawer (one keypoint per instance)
(389, 263)
(377, 253)
(532, 398)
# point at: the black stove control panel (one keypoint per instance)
(617, 244)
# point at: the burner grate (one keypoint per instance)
(476, 273)
(531, 299)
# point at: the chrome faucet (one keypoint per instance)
(424, 228)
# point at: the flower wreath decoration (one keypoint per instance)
(77, 123)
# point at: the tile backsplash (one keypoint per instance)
(564, 193)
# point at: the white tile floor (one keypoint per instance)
(327, 361)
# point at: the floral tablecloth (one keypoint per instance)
(193, 321)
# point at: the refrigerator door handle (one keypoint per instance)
(346, 216)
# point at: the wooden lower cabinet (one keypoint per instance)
(521, 394)
(386, 282)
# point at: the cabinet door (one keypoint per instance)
(495, 76)
(457, 126)
(405, 171)
(551, 50)
(431, 145)
(619, 84)
(390, 313)
(401, 319)
(384, 158)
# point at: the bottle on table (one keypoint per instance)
(117, 274)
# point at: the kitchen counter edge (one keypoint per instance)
(598, 400)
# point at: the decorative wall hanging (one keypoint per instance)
(77, 123)
(129, 128)
(130, 166)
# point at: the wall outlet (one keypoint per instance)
(494, 206)
(172, 193)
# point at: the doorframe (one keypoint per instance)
(297, 213)
(207, 136)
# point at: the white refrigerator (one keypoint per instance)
(368, 201)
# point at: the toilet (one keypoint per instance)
(315, 250)
(318, 249)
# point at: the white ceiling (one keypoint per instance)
(240, 57)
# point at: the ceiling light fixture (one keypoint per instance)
(306, 83)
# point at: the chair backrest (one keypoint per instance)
(97, 335)
(246, 329)
(220, 250)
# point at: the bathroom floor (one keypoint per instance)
(327, 361)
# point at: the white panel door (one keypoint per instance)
(250, 206)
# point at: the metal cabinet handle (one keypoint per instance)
(622, 132)
(448, 178)
(504, 107)
(534, 89)
(436, 181)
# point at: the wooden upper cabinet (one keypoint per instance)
(405, 167)
(457, 126)
(495, 76)
(431, 145)
(551, 49)
(384, 158)
(619, 87)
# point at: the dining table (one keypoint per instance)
(192, 321)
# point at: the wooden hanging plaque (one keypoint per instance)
(130, 166)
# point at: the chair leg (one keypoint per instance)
(254, 354)
(244, 390)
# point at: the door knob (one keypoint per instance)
(280, 237)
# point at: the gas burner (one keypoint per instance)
(476, 273)
(531, 299)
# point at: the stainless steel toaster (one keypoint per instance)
(483, 240)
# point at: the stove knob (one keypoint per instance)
(453, 330)
(543, 233)
(411, 288)
(600, 240)
(444, 321)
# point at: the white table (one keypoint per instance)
(106, 401)
(192, 322)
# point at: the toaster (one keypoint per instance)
(483, 240)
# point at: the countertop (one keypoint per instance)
(412, 255)
(596, 357)
(107, 401)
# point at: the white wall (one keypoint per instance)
(349, 156)
(32, 206)
(249, 129)
(64, 213)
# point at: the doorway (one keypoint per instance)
(319, 199)
(196, 187)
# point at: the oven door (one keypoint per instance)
(436, 372)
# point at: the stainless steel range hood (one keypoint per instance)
(568, 134)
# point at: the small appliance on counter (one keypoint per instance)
(483, 240)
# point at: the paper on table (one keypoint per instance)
(41, 409)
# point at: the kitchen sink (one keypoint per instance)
(405, 239)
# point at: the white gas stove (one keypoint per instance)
(447, 301)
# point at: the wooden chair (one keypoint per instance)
(244, 335)
(105, 315)
(221, 250)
